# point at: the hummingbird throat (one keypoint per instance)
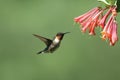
(56, 40)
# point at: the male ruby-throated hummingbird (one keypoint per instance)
(52, 45)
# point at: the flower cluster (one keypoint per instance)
(100, 17)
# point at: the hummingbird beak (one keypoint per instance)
(66, 32)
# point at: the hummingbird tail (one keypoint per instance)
(40, 52)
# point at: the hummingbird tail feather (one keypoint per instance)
(40, 52)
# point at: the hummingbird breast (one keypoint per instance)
(54, 45)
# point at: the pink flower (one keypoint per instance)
(86, 15)
(89, 20)
(104, 18)
(110, 29)
(97, 17)
(114, 37)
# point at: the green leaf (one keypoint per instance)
(109, 2)
(118, 5)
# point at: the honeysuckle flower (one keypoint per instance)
(110, 29)
(86, 15)
(114, 37)
(104, 18)
(89, 20)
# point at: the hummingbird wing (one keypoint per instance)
(45, 40)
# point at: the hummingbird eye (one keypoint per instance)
(58, 34)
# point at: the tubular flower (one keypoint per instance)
(110, 29)
(89, 20)
(104, 18)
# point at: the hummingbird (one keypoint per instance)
(51, 45)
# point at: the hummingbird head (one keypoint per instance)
(60, 35)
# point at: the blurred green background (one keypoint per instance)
(80, 57)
